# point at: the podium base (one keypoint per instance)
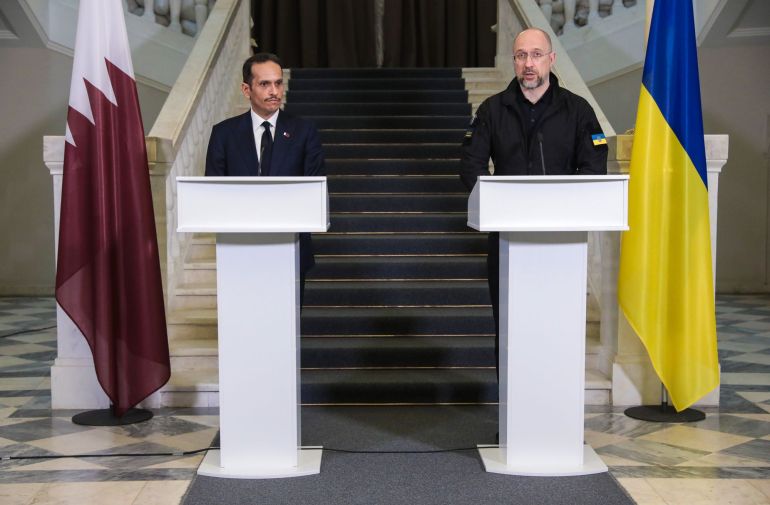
(493, 458)
(308, 463)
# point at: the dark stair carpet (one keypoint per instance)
(397, 307)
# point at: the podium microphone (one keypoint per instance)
(542, 158)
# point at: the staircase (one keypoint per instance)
(397, 307)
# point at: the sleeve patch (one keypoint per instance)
(598, 139)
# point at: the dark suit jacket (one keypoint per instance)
(296, 152)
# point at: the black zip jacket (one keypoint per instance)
(565, 131)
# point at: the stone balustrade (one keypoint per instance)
(566, 15)
(185, 16)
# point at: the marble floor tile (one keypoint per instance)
(186, 441)
(652, 453)
(83, 442)
(695, 438)
(740, 317)
(642, 492)
(18, 494)
(43, 337)
(56, 464)
(720, 459)
(73, 493)
(597, 439)
(743, 346)
(742, 425)
(753, 358)
(169, 492)
(9, 361)
(191, 462)
(756, 449)
(754, 325)
(708, 491)
(24, 430)
(21, 383)
(763, 485)
(749, 379)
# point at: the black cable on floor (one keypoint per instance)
(197, 451)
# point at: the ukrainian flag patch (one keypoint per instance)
(599, 139)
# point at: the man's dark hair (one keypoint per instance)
(258, 58)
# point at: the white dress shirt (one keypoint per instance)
(256, 125)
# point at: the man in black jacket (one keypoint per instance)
(534, 127)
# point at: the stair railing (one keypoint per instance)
(201, 97)
(172, 13)
(567, 15)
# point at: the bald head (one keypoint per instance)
(532, 36)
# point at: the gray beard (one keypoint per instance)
(531, 85)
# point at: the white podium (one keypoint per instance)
(256, 220)
(543, 223)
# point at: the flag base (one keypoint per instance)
(107, 417)
(664, 413)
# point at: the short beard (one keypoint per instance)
(531, 85)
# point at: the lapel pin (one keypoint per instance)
(286, 134)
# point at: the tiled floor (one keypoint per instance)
(724, 459)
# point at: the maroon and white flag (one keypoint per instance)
(108, 271)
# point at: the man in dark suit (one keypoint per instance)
(265, 141)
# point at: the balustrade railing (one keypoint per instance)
(566, 15)
(185, 16)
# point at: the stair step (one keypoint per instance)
(375, 73)
(396, 167)
(434, 293)
(419, 386)
(401, 136)
(377, 109)
(400, 244)
(353, 95)
(445, 120)
(374, 352)
(398, 321)
(361, 202)
(393, 151)
(395, 184)
(408, 267)
(399, 222)
(384, 83)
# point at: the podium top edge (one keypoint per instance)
(228, 179)
(553, 178)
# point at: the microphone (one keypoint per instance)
(542, 158)
(262, 158)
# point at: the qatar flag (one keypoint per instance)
(108, 271)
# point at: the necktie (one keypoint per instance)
(266, 150)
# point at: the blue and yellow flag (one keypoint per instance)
(665, 282)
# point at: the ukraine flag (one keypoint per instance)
(665, 282)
